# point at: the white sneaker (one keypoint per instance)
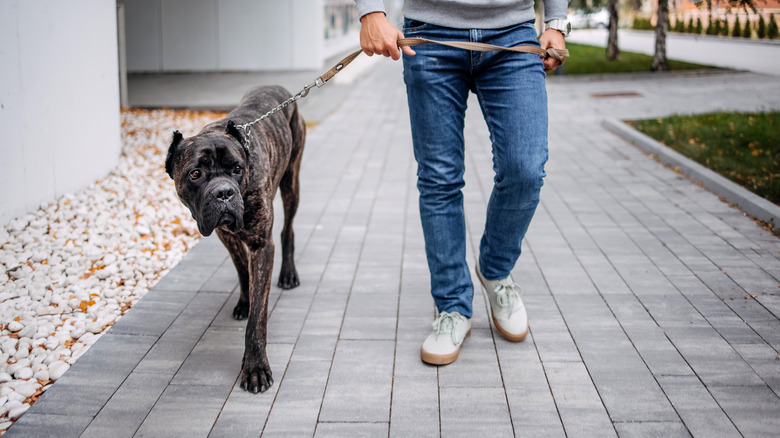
(507, 307)
(442, 346)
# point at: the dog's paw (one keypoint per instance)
(288, 279)
(241, 311)
(256, 374)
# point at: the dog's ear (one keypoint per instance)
(232, 130)
(172, 151)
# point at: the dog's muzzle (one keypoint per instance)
(221, 206)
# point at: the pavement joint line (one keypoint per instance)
(746, 200)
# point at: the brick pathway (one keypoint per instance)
(654, 306)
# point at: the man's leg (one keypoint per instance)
(437, 85)
(513, 97)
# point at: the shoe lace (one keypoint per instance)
(445, 323)
(507, 293)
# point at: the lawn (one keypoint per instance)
(743, 147)
(593, 60)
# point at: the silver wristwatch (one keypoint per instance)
(561, 25)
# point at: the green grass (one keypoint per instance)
(743, 147)
(585, 60)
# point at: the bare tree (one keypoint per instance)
(612, 40)
(660, 63)
(612, 7)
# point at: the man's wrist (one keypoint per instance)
(373, 15)
(561, 25)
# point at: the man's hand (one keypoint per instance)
(552, 38)
(379, 36)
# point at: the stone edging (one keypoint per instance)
(746, 200)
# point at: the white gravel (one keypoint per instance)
(70, 269)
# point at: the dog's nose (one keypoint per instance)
(224, 193)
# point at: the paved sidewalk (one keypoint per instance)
(654, 305)
(759, 56)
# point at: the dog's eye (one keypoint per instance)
(195, 174)
(237, 169)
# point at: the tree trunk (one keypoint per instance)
(661, 29)
(612, 41)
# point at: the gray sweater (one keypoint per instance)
(471, 14)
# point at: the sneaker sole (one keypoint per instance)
(442, 359)
(509, 336)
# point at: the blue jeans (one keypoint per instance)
(512, 95)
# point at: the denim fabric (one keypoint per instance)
(511, 92)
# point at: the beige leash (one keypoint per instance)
(559, 54)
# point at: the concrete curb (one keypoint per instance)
(746, 200)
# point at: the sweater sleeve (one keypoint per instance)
(369, 6)
(553, 9)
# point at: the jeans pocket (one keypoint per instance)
(411, 26)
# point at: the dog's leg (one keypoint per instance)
(290, 189)
(255, 370)
(288, 276)
(239, 254)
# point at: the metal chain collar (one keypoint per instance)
(245, 128)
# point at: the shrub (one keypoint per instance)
(640, 23)
(747, 31)
(736, 31)
(724, 27)
(761, 33)
(697, 31)
(679, 26)
(771, 31)
(715, 26)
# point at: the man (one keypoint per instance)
(512, 95)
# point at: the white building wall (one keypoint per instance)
(224, 35)
(59, 99)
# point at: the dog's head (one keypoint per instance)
(210, 173)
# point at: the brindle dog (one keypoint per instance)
(229, 182)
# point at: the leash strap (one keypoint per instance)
(560, 55)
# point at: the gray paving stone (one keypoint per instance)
(371, 316)
(80, 399)
(651, 430)
(755, 410)
(152, 315)
(360, 382)
(415, 404)
(36, 425)
(298, 399)
(551, 336)
(468, 412)
(245, 413)
(224, 279)
(626, 386)
(764, 360)
(185, 410)
(108, 363)
(123, 414)
(338, 430)
(580, 407)
(698, 410)
(288, 315)
(714, 361)
(531, 404)
(215, 360)
(477, 364)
